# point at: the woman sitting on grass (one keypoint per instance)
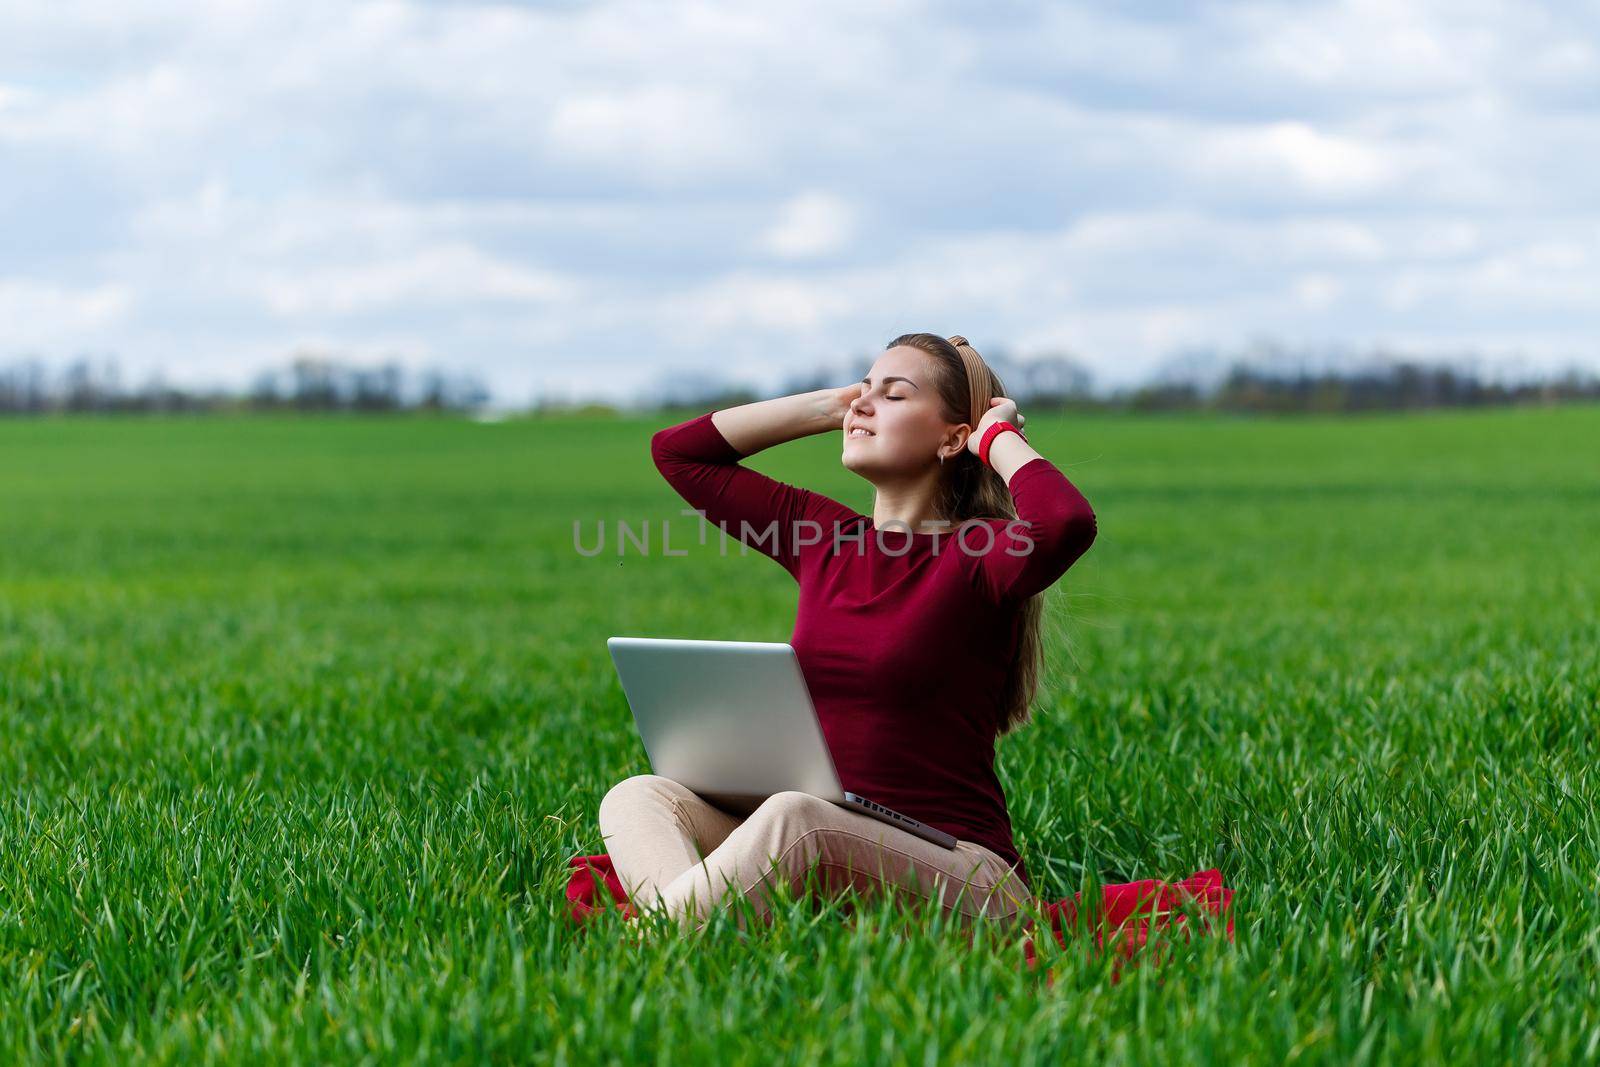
(917, 632)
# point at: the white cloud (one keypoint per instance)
(1294, 152)
(449, 274)
(43, 315)
(1317, 291)
(744, 302)
(654, 131)
(126, 118)
(811, 224)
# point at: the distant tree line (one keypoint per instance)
(1268, 380)
(308, 383)
(1283, 384)
(1401, 386)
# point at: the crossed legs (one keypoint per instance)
(678, 854)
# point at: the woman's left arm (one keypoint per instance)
(1054, 526)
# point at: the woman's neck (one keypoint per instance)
(909, 504)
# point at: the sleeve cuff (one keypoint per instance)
(701, 437)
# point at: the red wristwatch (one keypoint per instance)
(990, 434)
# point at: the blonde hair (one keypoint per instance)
(968, 489)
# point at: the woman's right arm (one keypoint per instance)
(700, 459)
(749, 428)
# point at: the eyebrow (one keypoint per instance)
(896, 378)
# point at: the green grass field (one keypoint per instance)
(301, 720)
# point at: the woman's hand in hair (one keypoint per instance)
(837, 402)
(1001, 409)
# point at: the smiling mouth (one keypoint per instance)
(859, 432)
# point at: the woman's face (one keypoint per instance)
(896, 426)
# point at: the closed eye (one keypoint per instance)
(894, 398)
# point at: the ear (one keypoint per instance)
(957, 438)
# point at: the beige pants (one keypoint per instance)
(678, 853)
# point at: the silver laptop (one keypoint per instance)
(733, 721)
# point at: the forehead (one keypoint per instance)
(910, 362)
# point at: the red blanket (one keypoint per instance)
(1128, 911)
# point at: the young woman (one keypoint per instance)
(917, 632)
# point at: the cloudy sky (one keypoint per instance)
(578, 198)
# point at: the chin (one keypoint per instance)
(871, 468)
(854, 461)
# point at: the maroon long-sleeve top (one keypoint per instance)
(905, 638)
